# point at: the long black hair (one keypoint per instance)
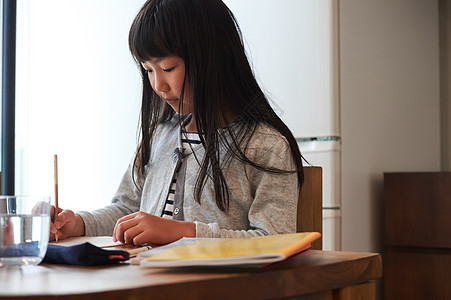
(206, 35)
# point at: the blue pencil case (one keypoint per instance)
(85, 254)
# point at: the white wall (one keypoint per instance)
(389, 105)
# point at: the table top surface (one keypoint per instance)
(304, 273)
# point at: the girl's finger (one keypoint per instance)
(123, 219)
(121, 227)
(63, 218)
(131, 233)
(142, 238)
(53, 229)
(52, 213)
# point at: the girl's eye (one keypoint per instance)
(168, 70)
(148, 71)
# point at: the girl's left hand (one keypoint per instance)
(140, 228)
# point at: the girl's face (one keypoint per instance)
(166, 77)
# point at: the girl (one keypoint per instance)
(214, 160)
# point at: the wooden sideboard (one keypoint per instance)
(417, 235)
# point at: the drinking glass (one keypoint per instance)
(24, 229)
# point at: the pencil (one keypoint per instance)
(55, 213)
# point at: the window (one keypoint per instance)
(78, 96)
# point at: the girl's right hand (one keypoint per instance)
(66, 224)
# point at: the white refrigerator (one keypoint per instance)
(293, 47)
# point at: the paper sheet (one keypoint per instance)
(99, 241)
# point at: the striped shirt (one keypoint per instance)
(188, 139)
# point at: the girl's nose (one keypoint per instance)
(161, 84)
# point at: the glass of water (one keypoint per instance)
(24, 229)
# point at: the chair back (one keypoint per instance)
(310, 204)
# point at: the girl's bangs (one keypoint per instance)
(149, 36)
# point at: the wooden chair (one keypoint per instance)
(310, 204)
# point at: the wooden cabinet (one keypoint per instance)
(417, 235)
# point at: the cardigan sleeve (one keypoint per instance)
(126, 201)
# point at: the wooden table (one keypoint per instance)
(310, 275)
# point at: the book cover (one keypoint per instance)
(228, 252)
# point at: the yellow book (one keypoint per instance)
(228, 252)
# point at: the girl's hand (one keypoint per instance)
(67, 224)
(140, 228)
